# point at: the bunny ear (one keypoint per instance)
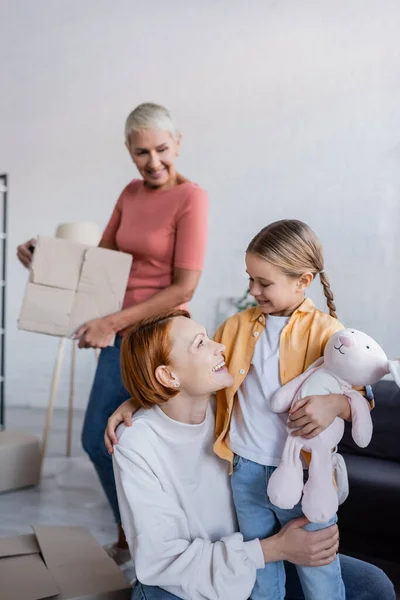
(394, 369)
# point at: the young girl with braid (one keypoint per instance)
(266, 347)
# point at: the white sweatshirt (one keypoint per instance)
(177, 512)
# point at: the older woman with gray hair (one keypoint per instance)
(161, 220)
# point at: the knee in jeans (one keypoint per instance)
(385, 588)
(379, 585)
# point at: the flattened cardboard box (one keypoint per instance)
(70, 284)
(64, 563)
(19, 461)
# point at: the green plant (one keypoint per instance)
(244, 302)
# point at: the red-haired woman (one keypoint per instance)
(173, 491)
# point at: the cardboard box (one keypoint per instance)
(19, 461)
(70, 284)
(64, 563)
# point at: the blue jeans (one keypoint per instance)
(107, 394)
(148, 592)
(259, 518)
(361, 580)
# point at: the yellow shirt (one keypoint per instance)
(302, 342)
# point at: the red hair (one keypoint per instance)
(145, 346)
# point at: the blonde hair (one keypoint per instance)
(150, 116)
(293, 247)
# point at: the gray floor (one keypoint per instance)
(69, 494)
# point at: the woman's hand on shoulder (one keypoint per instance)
(123, 414)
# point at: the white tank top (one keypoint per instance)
(257, 433)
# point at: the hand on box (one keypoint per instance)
(25, 252)
(95, 334)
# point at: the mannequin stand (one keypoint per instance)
(53, 393)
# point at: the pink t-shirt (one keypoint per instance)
(162, 229)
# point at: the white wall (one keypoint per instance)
(288, 109)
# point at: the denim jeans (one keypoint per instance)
(259, 518)
(362, 581)
(107, 394)
(148, 592)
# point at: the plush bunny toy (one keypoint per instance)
(351, 358)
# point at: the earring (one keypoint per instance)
(177, 384)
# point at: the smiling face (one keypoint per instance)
(355, 357)
(276, 293)
(154, 152)
(197, 362)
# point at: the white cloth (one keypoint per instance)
(257, 433)
(177, 512)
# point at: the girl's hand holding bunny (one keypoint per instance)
(311, 415)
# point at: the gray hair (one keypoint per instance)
(150, 116)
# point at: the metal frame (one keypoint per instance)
(3, 240)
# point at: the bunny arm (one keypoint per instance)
(283, 398)
(394, 369)
(361, 419)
